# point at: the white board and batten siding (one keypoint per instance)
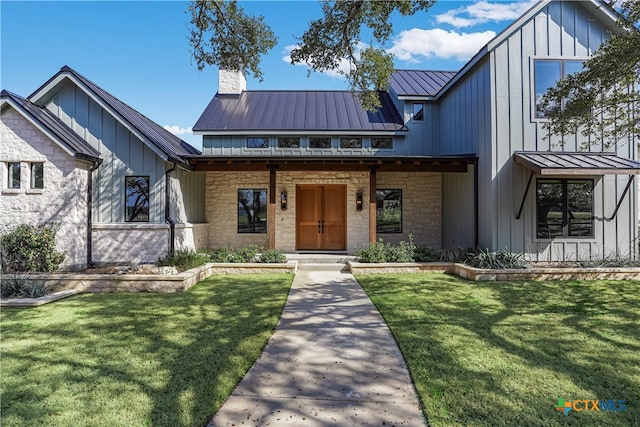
(560, 30)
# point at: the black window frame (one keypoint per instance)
(381, 226)
(265, 142)
(317, 139)
(290, 139)
(377, 146)
(40, 184)
(11, 179)
(568, 221)
(418, 116)
(252, 226)
(146, 201)
(346, 141)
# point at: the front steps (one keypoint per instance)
(321, 261)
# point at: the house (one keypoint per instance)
(451, 158)
(455, 159)
(115, 183)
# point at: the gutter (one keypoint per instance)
(96, 164)
(167, 210)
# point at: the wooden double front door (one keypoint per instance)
(321, 215)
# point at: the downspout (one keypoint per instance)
(167, 210)
(96, 165)
(476, 205)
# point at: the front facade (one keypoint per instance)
(450, 158)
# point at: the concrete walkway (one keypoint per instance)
(332, 361)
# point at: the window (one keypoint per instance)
(547, 73)
(37, 176)
(382, 143)
(564, 208)
(288, 142)
(136, 198)
(252, 210)
(418, 111)
(261, 142)
(319, 142)
(388, 211)
(13, 180)
(350, 142)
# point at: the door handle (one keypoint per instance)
(319, 227)
(323, 227)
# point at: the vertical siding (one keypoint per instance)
(561, 30)
(187, 196)
(123, 153)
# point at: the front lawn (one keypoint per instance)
(135, 359)
(502, 354)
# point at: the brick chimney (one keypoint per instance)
(231, 82)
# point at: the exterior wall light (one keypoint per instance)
(358, 201)
(283, 200)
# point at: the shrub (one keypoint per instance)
(30, 249)
(272, 256)
(498, 260)
(424, 254)
(380, 252)
(183, 260)
(246, 254)
(18, 288)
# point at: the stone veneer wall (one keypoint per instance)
(63, 200)
(421, 206)
(129, 243)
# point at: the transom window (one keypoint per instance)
(288, 142)
(388, 211)
(258, 142)
(382, 143)
(136, 198)
(418, 111)
(350, 142)
(547, 74)
(252, 210)
(13, 178)
(37, 176)
(564, 208)
(319, 142)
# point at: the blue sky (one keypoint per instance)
(139, 52)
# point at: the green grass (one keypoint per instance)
(135, 359)
(501, 354)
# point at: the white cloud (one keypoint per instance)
(414, 43)
(343, 67)
(483, 11)
(177, 130)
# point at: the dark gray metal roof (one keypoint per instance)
(53, 124)
(550, 163)
(304, 111)
(419, 82)
(167, 142)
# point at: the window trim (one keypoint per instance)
(565, 203)
(532, 78)
(126, 217)
(401, 212)
(266, 210)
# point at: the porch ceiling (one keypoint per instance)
(330, 164)
(550, 163)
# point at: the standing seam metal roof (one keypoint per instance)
(419, 82)
(49, 121)
(306, 111)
